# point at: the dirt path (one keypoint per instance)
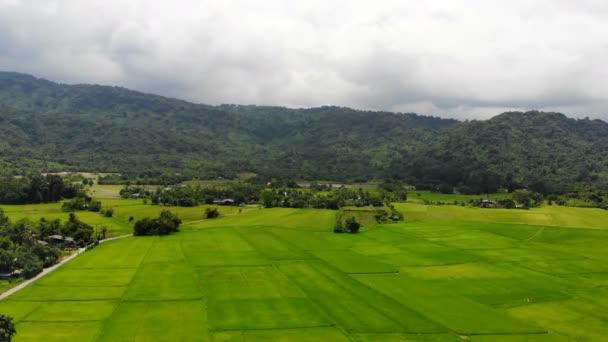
(52, 268)
(537, 234)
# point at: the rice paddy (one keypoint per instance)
(447, 273)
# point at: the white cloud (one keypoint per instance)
(459, 58)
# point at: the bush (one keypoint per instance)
(108, 212)
(211, 213)
(506, 203)
(352, 226)
(95, 206)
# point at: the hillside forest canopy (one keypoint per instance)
(46, 127)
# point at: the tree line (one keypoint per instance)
(278, 194)
(36, 188)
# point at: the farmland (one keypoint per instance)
(445, 274)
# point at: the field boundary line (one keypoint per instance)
(48, 270)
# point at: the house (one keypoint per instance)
(60, 241)
(10, 275)
(488, 204)
(225, 201)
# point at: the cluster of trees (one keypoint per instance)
(165, 224)
(130, 191)
(333, 199)
(272, 196)
(82, 202)
(188, 196)
(520, 199)
(26, 246)
(581, 198)
(147, 177)
(35, 189)
(350, 221)
(389, 214)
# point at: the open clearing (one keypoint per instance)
(445, 274)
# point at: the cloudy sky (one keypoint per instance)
(452, 58)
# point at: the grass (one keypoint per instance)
(51, 211)
(419, 196)
(445, 274)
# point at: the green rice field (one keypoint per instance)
(447, 273)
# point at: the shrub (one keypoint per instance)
(211, 213)
(108, 212)
(7, 328)
(506, 203)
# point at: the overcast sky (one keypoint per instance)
(452, 58)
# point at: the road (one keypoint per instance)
(52, 268)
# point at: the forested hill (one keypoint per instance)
(45, 126)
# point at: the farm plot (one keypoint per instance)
(281, 274)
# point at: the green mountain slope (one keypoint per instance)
(46, 126)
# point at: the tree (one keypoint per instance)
(7, 259)
(7, 328)
(80, 231)
(29, 263)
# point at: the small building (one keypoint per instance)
(224, 201)
(60, 241)
(488, 204)
(10, 275)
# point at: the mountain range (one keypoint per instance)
(47, 126)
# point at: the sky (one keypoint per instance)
(451, 58)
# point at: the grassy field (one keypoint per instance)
(446, 274)
(419, 196)
(120, 223)
(51, 211)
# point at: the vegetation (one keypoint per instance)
(55, 127)
(446, 273)
(22, 249)
(269, 196)
(165, 224)
(211, 213)
(7, 328)
(35, 189)
(82, 202)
